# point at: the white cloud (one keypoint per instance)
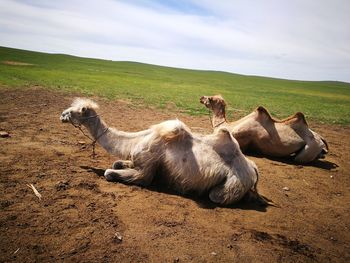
(294, 39)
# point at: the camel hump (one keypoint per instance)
(264, 111)
(225, 132)
(300, 116)
(225, 145)
(225, 136)
(173, 130)
(297, 117)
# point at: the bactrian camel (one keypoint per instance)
(193, 163)
(260, 132)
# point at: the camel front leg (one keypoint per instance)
(129, 176)
(309, 153)
(315, 148)
(122, 164)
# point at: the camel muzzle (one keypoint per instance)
(203, 100)
(65, 117)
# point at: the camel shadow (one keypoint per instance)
(244, 204)
(322, 164)
(97, 171)
(203, 201)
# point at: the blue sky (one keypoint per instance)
(295, 39)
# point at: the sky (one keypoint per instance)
(292, 39)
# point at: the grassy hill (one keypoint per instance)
(322, 101)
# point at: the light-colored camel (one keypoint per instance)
(260, 132)
(191, 163)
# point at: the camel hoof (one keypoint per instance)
(216, 197)
(110, 175)
(122, 164)
(118, 165)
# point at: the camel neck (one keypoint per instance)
(115, 142)
(96, 127)
(218, 118)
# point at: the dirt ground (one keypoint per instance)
(84, 218)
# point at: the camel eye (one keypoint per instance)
(83, 109)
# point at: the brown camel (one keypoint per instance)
(191, 163)
(259, 131)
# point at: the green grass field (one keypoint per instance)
(323, 101)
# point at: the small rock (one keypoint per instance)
(63, 185)
(332, 176)
(229, 246)
(4, 134)
(286, 188)
(176, 260)
(213, 253)
(81, 142)
(5, 203)
(42, 175)
(59, 153)
(118, 237)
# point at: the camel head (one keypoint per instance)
(79, 112)
(215, 103)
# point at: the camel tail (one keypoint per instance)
(325, 143)
(262, 200)
(266, 202)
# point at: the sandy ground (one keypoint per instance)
(81, 214)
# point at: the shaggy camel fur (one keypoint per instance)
(191, 163)
(258, 131)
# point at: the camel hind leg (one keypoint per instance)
(130, 176)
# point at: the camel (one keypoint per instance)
(191, 163)
(260, 132)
